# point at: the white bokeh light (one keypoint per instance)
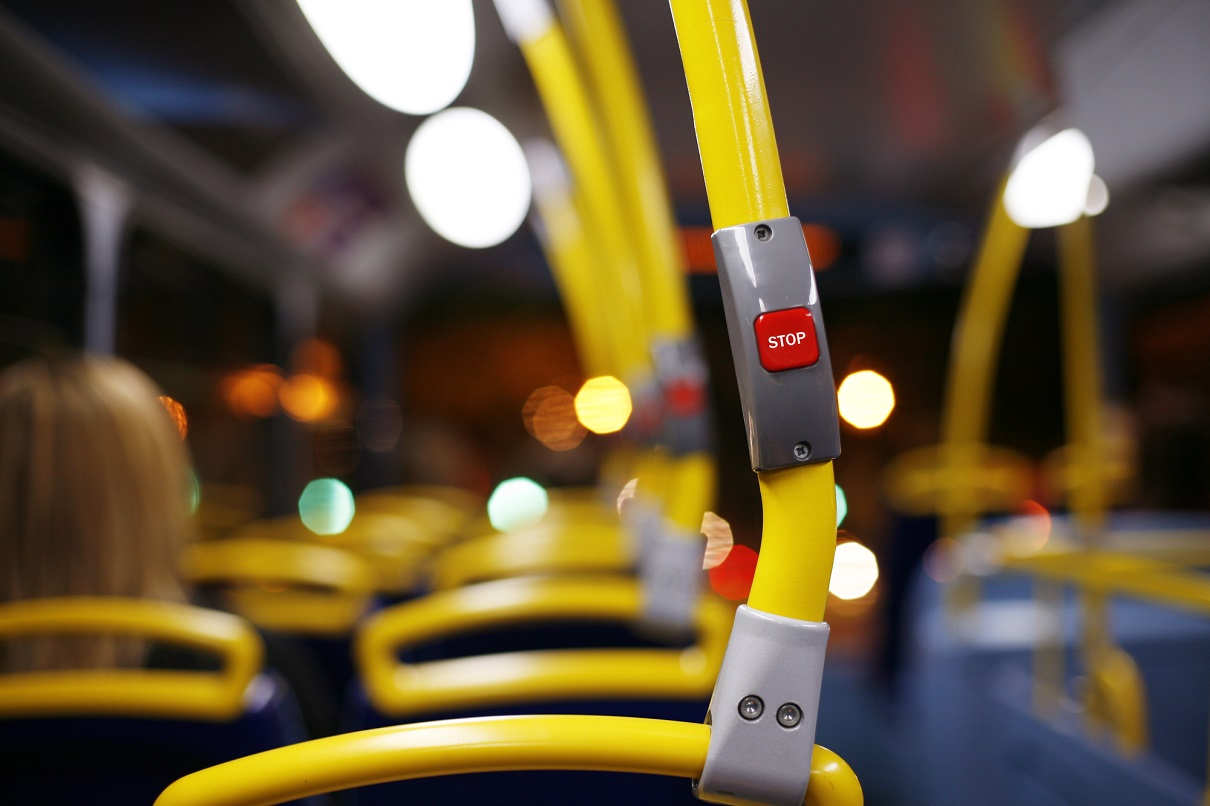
(1049, 186)
(413, 56)
(516, 503)
(854, 571)
(468, 177)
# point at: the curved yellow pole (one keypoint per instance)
(132, 692)
(730, 111)
(577, 269)
(569, 110)
(597, 33)
(977, 336)
(427, 749)
(744, 184)
(687, 483)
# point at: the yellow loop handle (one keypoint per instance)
(403, 689)
(453, 747)
(285, 585)
(131, 692)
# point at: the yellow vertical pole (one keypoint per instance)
(565, 98)
(594, 27)
(978, 333)
(744, 184)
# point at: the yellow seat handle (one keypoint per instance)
(132, 692)
(580, 546)
(452, 747)
(286, 585)
(402, 689)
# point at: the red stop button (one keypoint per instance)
(786, 339)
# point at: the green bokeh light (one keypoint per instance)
(326, 506)
(516, 503)
(842, 506)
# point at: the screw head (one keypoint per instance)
(751, 707)
(762, 232)
(802, 451)
(789, 715)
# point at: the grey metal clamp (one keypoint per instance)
(670, 572)
(763, 711)
(785, 388)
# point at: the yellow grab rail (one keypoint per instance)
(569, 109)
(285, 585)
(730, 111)
(453, 747)
(977, 336)
(596, 31)
(404, 689)
(131, 692)
(744, 184)
(557, 547)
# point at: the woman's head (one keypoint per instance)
(93, 483)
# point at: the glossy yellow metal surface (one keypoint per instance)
(744, 184)
(285, 585)
(798, 543)
(132, 692)
(557, 546)
(730, 111)
(976, 347)
(577, 273)
(1120, 574)
(427, 749)
(691, 485)
(568, 106)
(598, 36)
(1082, 373)
(534, 676)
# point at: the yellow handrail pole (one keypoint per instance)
(978, 333)
(744, 184)
(688, 482)
(595, 29)
(730, 111)
(576, 268)
(427, 749)
(1082, 374)
(565, 98)
(1123, 703)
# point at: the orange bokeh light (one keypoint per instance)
(732, 579)
(177, 412)
(550, 415)
(308, 398)
(316, 357)
(252, 392)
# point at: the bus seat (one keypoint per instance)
(121, 735)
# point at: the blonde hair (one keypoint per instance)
(93, 497)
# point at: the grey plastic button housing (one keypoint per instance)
(783, 411)
(679, 362)
(761, 760)
(670, 573)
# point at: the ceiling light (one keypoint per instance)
(468, 177)
(413, 56)
(1049, 185)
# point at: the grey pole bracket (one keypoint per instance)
(778, 344)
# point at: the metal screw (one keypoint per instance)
(751, 707)
(802, 451)
(762, 232)
(789, 715)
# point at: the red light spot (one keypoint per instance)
(733, 578)
(685, 398)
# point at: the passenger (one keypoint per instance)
(93, 498)
(94, 501)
